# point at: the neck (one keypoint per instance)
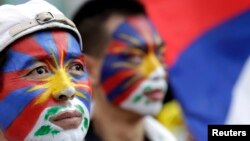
(2, 138)
(113, 123)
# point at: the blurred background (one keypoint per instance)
(68, 7)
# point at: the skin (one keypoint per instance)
(110, 114)
(45, 75)
(2, 138)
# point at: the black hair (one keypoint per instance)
(91, 17)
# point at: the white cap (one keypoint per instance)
(17, 21)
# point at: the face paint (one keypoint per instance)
(44, 130)
(46, 91)
(133, 75)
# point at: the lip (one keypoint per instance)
(67, 119)
(154, 95)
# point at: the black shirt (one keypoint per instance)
(92, 136)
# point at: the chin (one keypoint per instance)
(45, 130)
(142, 109)
(66, 135)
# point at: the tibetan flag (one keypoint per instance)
(208, 54)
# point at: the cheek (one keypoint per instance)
(84, 92)
(13, 81)
(25, 121)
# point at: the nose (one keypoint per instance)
(149, 65)
(66, 94)
(158, 74)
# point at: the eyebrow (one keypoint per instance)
(74, 55)
(34, 60)
(145, 48)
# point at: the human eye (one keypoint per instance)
(136, 56)
(76, 68)
(136, 59)
(38, 72)
(160, 53)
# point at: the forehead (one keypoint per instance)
(52, 46)
(137, 31)
(46, 43)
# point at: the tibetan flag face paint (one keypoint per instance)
(133, 75)
(45, 94)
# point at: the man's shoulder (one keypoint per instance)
(155, 131)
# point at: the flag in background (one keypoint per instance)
(208, 53)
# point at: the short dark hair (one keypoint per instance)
(3, 58)
(91, 17)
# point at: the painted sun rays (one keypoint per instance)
(134, 37)
(60, 79)
(60, 48)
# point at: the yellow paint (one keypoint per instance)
(80, 94)
(81, 85)
(150, 63)
(56, 83)
(54, 58)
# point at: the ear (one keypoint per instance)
(93, 67)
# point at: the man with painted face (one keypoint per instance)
(45, 91)
(124, 55)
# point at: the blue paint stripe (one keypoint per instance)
(73, 47)
(118, 90)
(46, 41)
(126, 28)
(87, 100)
(108, 69)
(13, 104)
(13, 64)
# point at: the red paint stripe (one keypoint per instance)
(110, 83)
(89, 90)
(61, 40)
(142, 26)
(182, 21)
(13, 82)
(27, 120)
(29, 46)
(127, 92)
(117, 47)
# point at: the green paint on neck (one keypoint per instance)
(44, 130)
(52, 111)
(137, 98)
(86, 123)
(79, 107)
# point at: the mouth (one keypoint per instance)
(67, 119)
(154, 95)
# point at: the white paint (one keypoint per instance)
(152, 108)
(65, 135)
